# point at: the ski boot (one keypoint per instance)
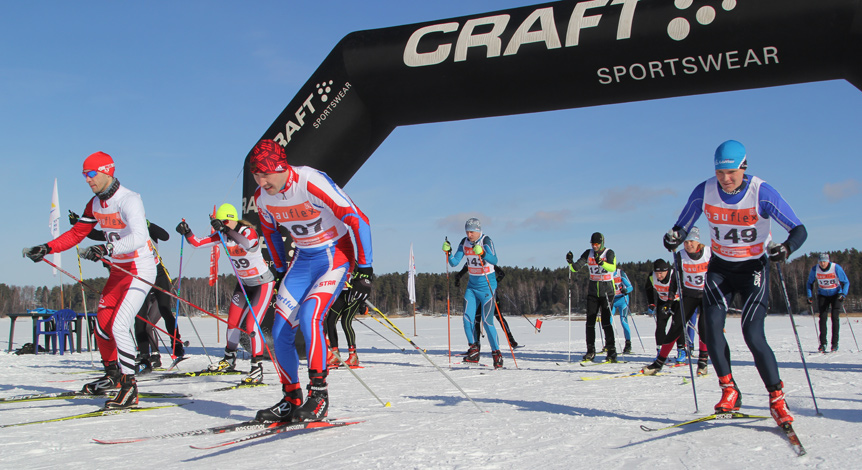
(142, 365)
(110, 381)
(822, 348)
(654, 368)
(628, 347)
(612, 355)
(285, 410)
(332, 361)
(227, 364)
(681, 356)
(127, 397)
(179, 349)
(498, 359)
(255, 375)
(731, 399)
(777, 404)
(702, 363)
(317, 403)
(472, 353)
(589, 356)
(352, 359)
(834, 347)
(155, 360)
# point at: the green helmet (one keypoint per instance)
(226, 212)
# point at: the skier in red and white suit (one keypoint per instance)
(331, 234)
(119, 213)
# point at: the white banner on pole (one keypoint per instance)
(54, 222)
(411, 277)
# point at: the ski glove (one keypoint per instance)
(570, 258)
(810, 301)
(218, 225)
(841, 298)
(478, 250)
(73, 218)
(183, 228)
(779, 252)
(672, 239)
(623, 290)
(96, 252)
(447, 247)
(36, 253)
(361, 285)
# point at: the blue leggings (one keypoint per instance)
(749, 279)
(475, 295)
(622, 307)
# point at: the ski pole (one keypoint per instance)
(179, 285)
(632, 318)
(448, 313)
(86, 313)
(520, 313)
(795, 333)
(378, 333)
(611, 316)
(375, 309)
(247, 301)
(677, 267)
(81, 281)
(569, 284)
(337, 356)
(114, 265)
(850, 326)
(816, 326)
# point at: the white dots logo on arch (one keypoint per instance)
(323, 89)
(679, 27)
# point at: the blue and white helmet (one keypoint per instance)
(473, 225)
(730, 155)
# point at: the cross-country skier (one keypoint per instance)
(499, 274)
(158, 304)
(832, 287)
(694, 260)
(119, 212)
(257, 280)
(600, 289)
(481, 257)
(622, 294)
(332, 235)
(738, 208)
(345, 311)
(663, 299)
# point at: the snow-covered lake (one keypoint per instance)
(539, 415)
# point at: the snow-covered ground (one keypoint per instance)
(539, 414)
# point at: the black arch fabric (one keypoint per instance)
(553, 56)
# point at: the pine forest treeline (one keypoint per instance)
(523, 291)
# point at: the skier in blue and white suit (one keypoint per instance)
(739, 209)
(622, 290)
(481, 258)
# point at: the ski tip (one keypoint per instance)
(388, 405)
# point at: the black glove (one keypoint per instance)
(570, 258)
(183, 228)
(36, 253)
(218, 225)
(96, 252)
(623, 290)
(73, 218)
(810, 301)
(457, 281)
(841, 298)
(361, 282)
(672, 239)
(779, 252)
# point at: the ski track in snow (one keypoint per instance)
(540, 415)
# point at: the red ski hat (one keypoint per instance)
(268, 157)
(101, 162)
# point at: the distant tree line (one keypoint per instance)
(523, 291)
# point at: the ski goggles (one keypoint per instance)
(90, 174)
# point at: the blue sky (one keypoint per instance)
(178, 92)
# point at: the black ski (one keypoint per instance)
(597, 363)
(305, 425)
(794, 439)
(180, 375)
(238, 386)
(716, 416)
(99, 412)
(73, 395)
(250, 425)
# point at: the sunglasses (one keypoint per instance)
(90, 174)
